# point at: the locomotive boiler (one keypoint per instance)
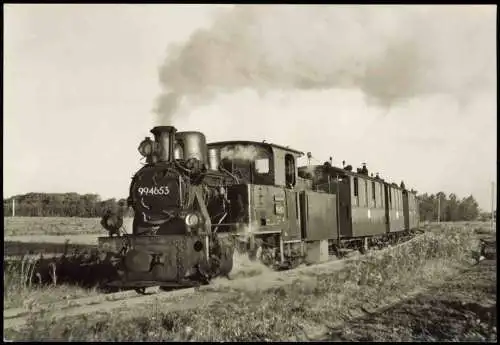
(195, 203)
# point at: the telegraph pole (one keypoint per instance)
(14, 207)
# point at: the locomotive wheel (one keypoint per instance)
(266, 256)
(110, 289)
(141, 291)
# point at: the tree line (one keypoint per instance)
(90, 205)
(450, 208)
(61, 205)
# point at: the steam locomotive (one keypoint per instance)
(195, 203)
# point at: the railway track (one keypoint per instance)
(16, 318)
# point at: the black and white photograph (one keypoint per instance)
(249, 172)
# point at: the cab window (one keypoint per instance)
(262, 165)
(251, 163)
(290, 170)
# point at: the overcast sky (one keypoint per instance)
(81, 81)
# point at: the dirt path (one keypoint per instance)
(463, 309)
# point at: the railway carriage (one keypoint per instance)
(368, 206)
(195, 203)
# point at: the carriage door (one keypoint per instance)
(344, 203)
(388, 206)
(292, 200)
(406, 210)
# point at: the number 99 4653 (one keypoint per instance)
(162, 190)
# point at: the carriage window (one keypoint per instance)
(354, 189)
(262, 165)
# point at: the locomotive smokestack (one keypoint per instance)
(165, 139)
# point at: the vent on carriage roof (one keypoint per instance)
(364, 170)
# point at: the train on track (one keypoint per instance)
(195, 203)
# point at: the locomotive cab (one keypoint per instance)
(264, 201)
(259, 162)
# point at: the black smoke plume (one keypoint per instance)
(391, 53)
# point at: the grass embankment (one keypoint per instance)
(316, 300)
(20, 290)
(461, 309)
(33, 235)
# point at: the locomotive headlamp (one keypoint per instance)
(146, 147)
(192, 220)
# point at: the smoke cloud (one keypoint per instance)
(244, 152)
(391, 53)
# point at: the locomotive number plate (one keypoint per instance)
(162, 190)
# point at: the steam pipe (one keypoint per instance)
(214, 158)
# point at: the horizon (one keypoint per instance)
(81, 84)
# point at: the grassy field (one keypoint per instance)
(56, 226)
(30, 227)
(298, 310)
(34, 235)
